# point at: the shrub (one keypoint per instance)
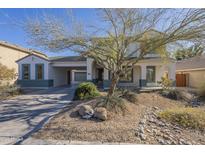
(9, 90)
(170, 93)
(6, 74)
(185, 117)
(86, 90)
(201, 90)
(165, 83)
(130, 96)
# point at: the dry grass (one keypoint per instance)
(185, 117)
(118, 128)
(155, 99)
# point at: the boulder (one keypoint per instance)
(86, 111)
(100, 113)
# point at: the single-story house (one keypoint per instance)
(39, 72)
(191, 72)
(9, 53)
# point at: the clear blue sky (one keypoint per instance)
(15, 34)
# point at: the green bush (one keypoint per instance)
(86, 90)
(185, 117)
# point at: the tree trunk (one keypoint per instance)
(113, 85)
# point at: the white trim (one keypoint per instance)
(69, 64)
(194, 69)
(73, 75)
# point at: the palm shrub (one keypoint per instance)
(86, 90)
(165, 82)
(167, 91)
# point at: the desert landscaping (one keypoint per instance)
(142, 122)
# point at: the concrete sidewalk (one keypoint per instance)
(25, 114)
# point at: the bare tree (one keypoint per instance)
(108, 44)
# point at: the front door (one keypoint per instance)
(100, 74)
(68, 77)
(151, 73)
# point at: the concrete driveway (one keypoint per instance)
(25, 114)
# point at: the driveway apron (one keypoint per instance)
(23, 115)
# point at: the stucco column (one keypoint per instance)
(105, 74)
(89, 68)
(143, 76)
(172, 72)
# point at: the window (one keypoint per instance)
(150, 74)
(39, 71)
(25, 71)
(80, 76)
(128, 77)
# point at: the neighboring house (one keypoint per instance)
(190, 72)
(39, 72)
(9, 53)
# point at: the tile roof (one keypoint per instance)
(25, 50)
(197, 62)
(68, 58)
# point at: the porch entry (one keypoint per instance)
(100, 74)
(151, 75)
(100, 77)
(68, 77)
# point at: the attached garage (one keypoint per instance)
(191, 72)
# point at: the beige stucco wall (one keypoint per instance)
(195, 78)
(9, 56)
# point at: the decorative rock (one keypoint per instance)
(142, 136)
(166, 137)
(141, 130)
(161, 124)
(155, 108)
(161, 141)
(86, 111)
(168, 142)
(178, 131)
(152, 120)
(149, 131)
(177, 128)
(182, 141)
(100, 113)
(143, 121)
(154, 131)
